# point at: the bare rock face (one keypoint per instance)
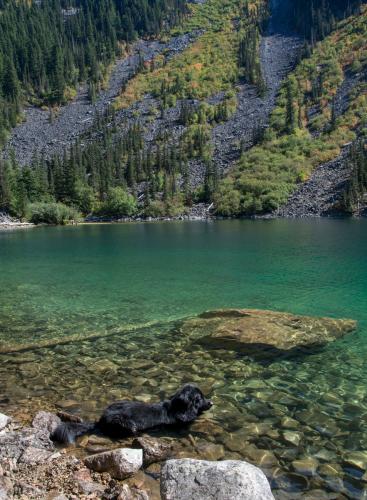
(188, 479)
(264, 333)
(153, 449)
(120, 463)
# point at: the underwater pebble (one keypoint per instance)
(305, 466)
(293, 438)
(356, 459)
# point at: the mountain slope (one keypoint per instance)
(321, 107)
(202, 116)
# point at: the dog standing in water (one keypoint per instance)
(127, 418)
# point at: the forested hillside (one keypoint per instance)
(114, 163)
(205, 123)
(47, 47)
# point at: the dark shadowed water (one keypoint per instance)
(302, 419)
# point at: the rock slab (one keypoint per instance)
(188, 479)
(120, 463)
(253, 331)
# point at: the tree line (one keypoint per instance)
(107, 172)
(315, 19)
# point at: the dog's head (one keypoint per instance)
(188, 403)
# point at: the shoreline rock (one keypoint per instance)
(32, 467)
(7, 222)
(188, 479)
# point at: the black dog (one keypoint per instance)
(127, 418)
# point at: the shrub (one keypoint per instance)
(155, 209)
(171, 208)
(51, 213)
(118, 203)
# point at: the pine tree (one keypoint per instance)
(290, 119)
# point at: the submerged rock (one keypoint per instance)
(120, 463)
(293, 438)
(153, 449)
(356, 459)
(263, 333)
(187, 479)
(306, 466)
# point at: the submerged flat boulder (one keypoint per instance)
(257, 332)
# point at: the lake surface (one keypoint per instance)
(128, 285)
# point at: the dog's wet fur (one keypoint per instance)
(128, 418)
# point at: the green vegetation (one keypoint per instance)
(51, 213)
(47, 47)
(118, 203)
(318, 18)
(356, 191)
(102, 176)
(116, 175)
(210, 65)
(297, 141)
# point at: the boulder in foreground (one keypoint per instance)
(253, 331)
(188, 479)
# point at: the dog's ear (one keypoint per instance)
(183, 411)
(183, 405)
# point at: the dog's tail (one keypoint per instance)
(67, 432)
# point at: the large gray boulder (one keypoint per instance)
(120, 463)
(189, 479)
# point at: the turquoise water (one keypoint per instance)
(104, 280)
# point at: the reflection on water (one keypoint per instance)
(301, 419)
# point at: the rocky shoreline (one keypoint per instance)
(196, 215)
(7, 222)
(31, 467)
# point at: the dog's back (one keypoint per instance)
(125, 418)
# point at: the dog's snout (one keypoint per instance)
(210, 403)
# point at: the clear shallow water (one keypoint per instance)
(102, 280)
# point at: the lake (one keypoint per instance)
(117, 292)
